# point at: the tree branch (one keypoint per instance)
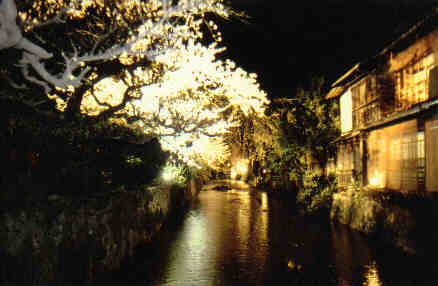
(10, 34)
(33, 55)
(126, 98)
(57, 19)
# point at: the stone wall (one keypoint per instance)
(70, 241)
(397, 221)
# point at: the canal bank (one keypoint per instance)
(245, 237)
(404, 220)
(68, 240)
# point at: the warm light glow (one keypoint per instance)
(181, 94)
(294, 266)
(107, 90)
(264, 199)
(129, 31)
(192, 249)
(372, 275)
(171, 173)
(346, 103)
(167, 175)
(376, 179)
(240, 168)
(233, 174)
(186, 108)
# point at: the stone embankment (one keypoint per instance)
(400, 219)
(66, 241)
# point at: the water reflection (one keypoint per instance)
(223, 241)
(193, 258)
(372, 275)
(246, 238)
(351, 254)
(242, 224)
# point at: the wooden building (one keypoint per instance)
(389, 115)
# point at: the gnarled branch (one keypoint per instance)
(75, 71)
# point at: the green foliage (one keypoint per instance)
(175, 173)
(133, 160)
(317, 192)
(308, 124)
(70, 157)
(286, 164)
(256, 138)
(310, 120)
(189, 172)
(178, 173)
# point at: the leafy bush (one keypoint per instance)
(285, 166)
(309, 126)
(317, 192)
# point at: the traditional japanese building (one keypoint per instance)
(389, 115)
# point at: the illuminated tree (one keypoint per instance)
(139, 63)
(309, 120)
(309, 127)
(254, 139)
(66, 46)
(198, 100)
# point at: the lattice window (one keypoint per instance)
(396, 157)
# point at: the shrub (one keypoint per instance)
(317, 192)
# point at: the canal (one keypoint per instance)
(246, 238)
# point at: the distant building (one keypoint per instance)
(389, 115)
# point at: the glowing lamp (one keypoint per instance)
(376, 180)
(170, 173)
(239, 169)
(233, 174)
(167, 175)
(242, 166)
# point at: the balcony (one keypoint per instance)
(373, 99)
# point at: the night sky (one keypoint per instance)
(287, 43)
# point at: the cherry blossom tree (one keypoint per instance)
(197, 102)
(145, 64)
(88, 35)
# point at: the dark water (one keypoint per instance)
(244, 238)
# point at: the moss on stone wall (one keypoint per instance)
(356, 209)
(72, 241)
(395, 217)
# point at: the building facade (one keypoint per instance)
(389, 115)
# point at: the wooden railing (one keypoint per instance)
(373, 99)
